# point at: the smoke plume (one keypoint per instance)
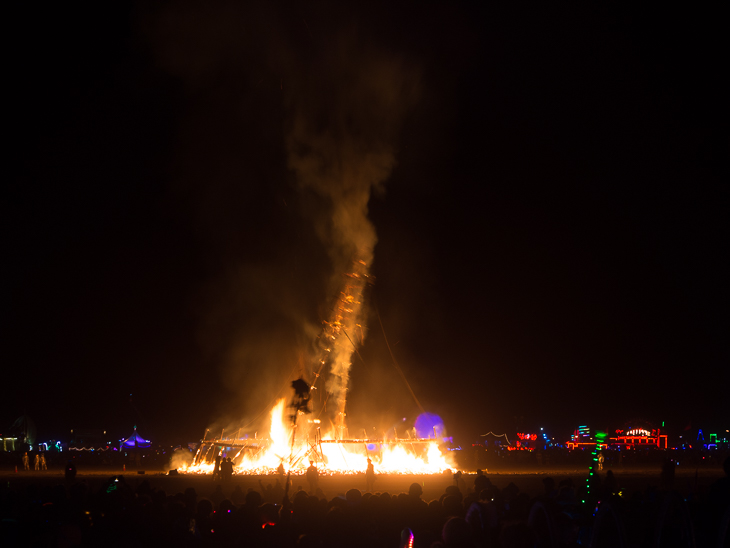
(267, 98)
(341, 144)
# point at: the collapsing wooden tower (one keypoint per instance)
(341, 335)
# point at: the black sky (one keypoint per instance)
(552, 242)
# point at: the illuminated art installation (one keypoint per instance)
(626, 438)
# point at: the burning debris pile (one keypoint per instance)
(283, 449)
(295, 436)
(345, 107)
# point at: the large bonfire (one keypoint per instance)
(264, 456)
(295, 433)
(340, 144)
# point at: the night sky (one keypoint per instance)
(551, 228)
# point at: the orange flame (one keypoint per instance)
(392, 456)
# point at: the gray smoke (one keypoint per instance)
(267, 97)
(347, 114)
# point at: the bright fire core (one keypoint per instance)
(264, 456)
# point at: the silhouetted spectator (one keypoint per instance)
(203, 519)
(191, 498)
(566, 493)
(217, 469)
(483, 518)
(452, 506)
(370, 476)
(237, 496)
(481, 482)
(414, 494)
(549, 485)
(312, 477)
(459, 481)
(609, 485)
(217, 496)
(227, 470)
(457, 534)
(518, 535)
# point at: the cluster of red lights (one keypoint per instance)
(526, 437)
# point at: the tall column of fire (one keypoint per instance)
(340, 335)
(346, 114)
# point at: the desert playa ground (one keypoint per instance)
(686, 482)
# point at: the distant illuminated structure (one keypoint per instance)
(716, 442)
(636, 438)
(524, 442)
(134, 441)
(581, 439)
(628, 438)
(9, 443)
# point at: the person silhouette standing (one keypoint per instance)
(312, 477)
(227, 470)
(370, 476)
(217, 470)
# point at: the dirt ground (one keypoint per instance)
(686, 481)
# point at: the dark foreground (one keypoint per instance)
(638, 508)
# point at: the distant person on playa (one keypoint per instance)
(459, 481)
(43, 462)
(217, 469)
(481, 482)
(312, 477)
(37, 462)
(281, 473)
(26, 462)
(227, 469)
(370, 476)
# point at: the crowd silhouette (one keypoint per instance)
(472, 512)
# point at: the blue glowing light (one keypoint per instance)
(429, 425)
(371, 446)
